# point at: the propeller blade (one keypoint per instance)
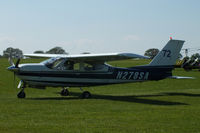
(17, 63)
(11, 61)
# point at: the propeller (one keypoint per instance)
(12, 63)
(14, 68)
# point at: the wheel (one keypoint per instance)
(21, 94)
(86, 94)
(64, 92)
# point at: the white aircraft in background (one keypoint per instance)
(91, 70)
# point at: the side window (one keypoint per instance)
(77, 66)
(88, 67)
(81, 66)
(68, 65)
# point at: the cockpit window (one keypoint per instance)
(52, 62)
(49, 61)
(56, 63)
(64, 64)
(68, 65)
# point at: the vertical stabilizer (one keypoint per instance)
(168, 55)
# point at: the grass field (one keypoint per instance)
(166, 106)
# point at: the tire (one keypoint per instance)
(64, 92)
(86, 95)
(21, 94)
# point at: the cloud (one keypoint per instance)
(131, 38)
(84, 41)
(78, 42)
(80, 45)
(4, 39)
(5, 42)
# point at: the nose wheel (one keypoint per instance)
(21, 94)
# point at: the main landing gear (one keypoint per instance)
(21, 94)
(84, 95)
(64, 92)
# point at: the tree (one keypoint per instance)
(13, 53)
(39, 52)
(56, 50)
(151, 52)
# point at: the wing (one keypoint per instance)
(92, 57)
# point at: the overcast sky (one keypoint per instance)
(98, 26)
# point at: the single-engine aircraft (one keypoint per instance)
(91, 70)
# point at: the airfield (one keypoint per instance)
(166, 106)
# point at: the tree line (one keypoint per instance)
(17, 53)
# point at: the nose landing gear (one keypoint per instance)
(21, 94)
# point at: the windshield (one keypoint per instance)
(52, 62)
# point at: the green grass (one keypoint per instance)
(166, 106)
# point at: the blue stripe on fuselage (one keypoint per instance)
(134, 73)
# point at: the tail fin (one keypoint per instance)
(168, 55)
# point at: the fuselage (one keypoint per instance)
(40, 75)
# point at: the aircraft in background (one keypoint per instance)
(91, 70)
(188, 64)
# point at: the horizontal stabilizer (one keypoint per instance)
(180, 77)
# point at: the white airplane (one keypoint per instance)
(91, 70)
